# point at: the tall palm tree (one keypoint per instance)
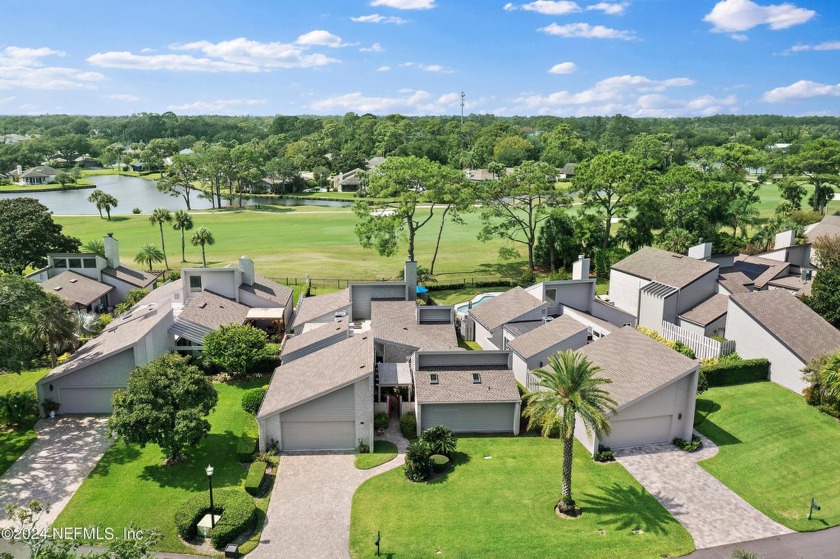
(108, 202)
(95, 198)
(566, 390)
(149, 253)
(203, 237)
(159, 217)
(53, 325)
(182, 221)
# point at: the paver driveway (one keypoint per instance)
(711, 512)
(53, 468)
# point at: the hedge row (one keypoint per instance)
(238, 514)
(253, 481)
(467, 283)
(247, 445)
(725, 373)
(408, 425)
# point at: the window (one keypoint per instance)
(75, 263)
(60, 263)
(89, 262)
(433, 378)
(476, 378)
(551, 296)
(195, 284)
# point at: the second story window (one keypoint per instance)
(195, 284)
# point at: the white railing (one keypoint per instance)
(702, 346)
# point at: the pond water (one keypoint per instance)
(133, 192)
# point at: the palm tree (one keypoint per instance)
(203, 237)
(108, 202)
(159, 217)
(95, 198)
(182, 222)
(95, 246)
(53, 325)
(149, 253)
(567, 390)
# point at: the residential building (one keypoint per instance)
(34, 176)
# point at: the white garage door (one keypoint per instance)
(637, 432)
(318, 435)
(86, 400)
(469, 418)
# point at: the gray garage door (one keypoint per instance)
(86, 400)
(469, 418)
(318, 435)
(636, 432)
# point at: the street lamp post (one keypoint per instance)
(209, 471)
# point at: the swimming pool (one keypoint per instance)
(463, 308)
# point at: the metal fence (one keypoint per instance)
(442, 283)
(702, 346)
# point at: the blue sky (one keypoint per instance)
(566, 58)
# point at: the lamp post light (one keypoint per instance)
(376, 541)
(209, 471)
(814, 506)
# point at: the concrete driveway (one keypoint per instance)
(53, 468)
(712, 513)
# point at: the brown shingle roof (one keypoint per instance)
(75, 288)
(792, 282)
(132, 276)
(396, 321)
(636, 364)
(506, 307)
(708, 311)
(455, 385)
(313, 308)
(212, 311)
(829, 226)
(791, 321)
(665, 267)
(314, 336)
(269, 290)
(546, 336)
(319, 373)
(734, 280)
(760, 270)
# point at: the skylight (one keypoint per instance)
(476, 378)
(433, 378)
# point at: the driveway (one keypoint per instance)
(711, 512)
(53, 468)
(309, 513)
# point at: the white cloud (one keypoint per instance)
(742, 15)
(435, 68)
(320, 38)
(586, 31)
(739, 37)
(4, 100)
(414, 102)
(827, 45)
(173, 62)
(376, 18)
(662, 106)
(22, 67)
(127, 97)
(217, 106)
(546, 7)
(803, 89)
(384, 69)
(375, 47)
(405, 4)
(563, 68)
(610, 8)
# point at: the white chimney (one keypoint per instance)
(703, 251)
(410, 273)
(784, 239)
(246, 265)
(19, 170)
(580, 269)
(112, 251)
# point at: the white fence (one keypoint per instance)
(702, 346)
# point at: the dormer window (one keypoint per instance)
(195, 284)
(476, 378)
(433, 378)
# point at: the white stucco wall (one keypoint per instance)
(612, 314)
(221, 281)
(484, 337)
(693, 294)
(363, 395)
(624, 291)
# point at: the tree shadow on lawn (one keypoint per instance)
(621, 507)
(702, 423)
(119, 453)
(218, 449)
(458, 459)
(512, 269)
(119, 218)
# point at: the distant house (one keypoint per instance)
(481, 175)
(34, 176)
(350, 181)
(86, 161)
(567, 171)
(80, 292)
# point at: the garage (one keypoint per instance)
(470, 418)
(635, 432)
(318, 435)
(86, 400)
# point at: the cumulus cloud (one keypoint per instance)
(23, 67)
(739, 37)
(415, 102)
(610, 8)
(435, 68)
(236, 55)
(127, 97)
(546, 7)
(320, 38)
(384, 69)
(376, 18)
(730, 16)
(217, 106)
(662, 106)
(827, 45)
(405, 4)
(803, 89)
(563, 68)
(586, 31)
(375, 47)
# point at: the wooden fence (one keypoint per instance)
(702, 346)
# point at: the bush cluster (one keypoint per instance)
(408, 425)
(17, 408)
(253, 481)
(441, 440)
(238, 514)
(252, 399)
(731, 371)
(675, 344)
(466, 284)
(604, 454)
(247, 445)
(418, 463)
(380, 421)
(695, 444)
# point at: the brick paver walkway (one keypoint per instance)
(309, 513)
(711, 512)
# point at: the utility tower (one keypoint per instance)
(463, 98)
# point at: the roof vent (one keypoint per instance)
(74, 280)
(57, 288)
(476, 378)
(433, 378)
(202, 304)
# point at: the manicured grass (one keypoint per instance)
(131, 484)
(81, 183)
(467, 344)
(13, 443)
(775, 451)
(456, 296)
(504, 507)
(383, 451)
(17, 382)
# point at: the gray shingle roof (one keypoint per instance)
(522, 328)
(760, 270)
(791, 321)
(793, 282)
(39, 171)
(313, 308)
(75, 288)
(636, 364)
(503, 308)
(212, 311)
(829, 226)
(734, 280)
(670, 268)
(396, 322)
(296, 343)
(319, 373)
(455, 385)
(707, 311)
(132, 276)
(269, 290)
(546, 336)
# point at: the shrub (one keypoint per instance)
(604, 454)
(105, 320)
(417, 462)
(247, 445)
(695, 444)
(18, 407)
(267, 457)
(408, 425)
(252, 399)
(675, 345)
(380, 421)
(135, 211)
(237, 509)
(727, 372)
(253, 481)
(702, 382)
(440, 439)
(439, 462)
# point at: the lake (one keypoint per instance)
(133, 192)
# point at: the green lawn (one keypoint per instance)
(13, 442)
(130, 484)
(503, 506)
(17, 382)
(775, 451)
(383, 451)
(81, 183)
